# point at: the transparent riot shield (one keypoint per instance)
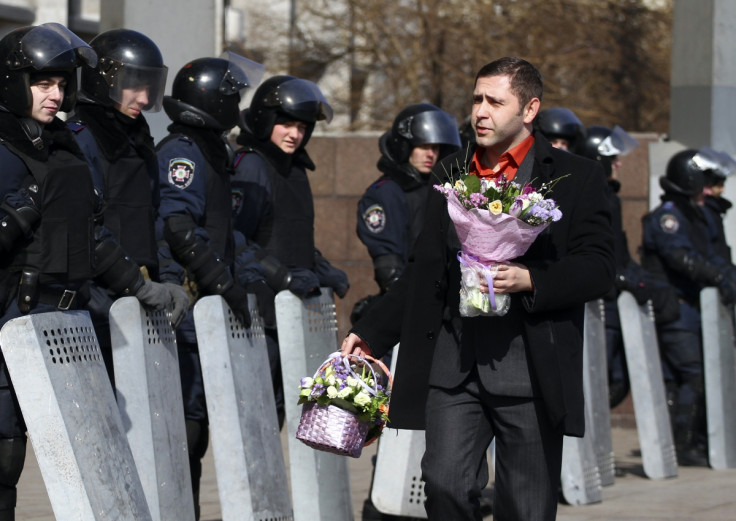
(150, 402)
(595, 384)
(719, 364)
(67, 400)
(397, 488)
(320, 482)
(647, 387)
(249, 461)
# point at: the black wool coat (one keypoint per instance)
(571, 262)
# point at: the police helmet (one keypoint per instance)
(126, 59)
(283, 98)
(560, 122)
(604, 145)
(684, 175)
(417, 125)
(206, 91)
(49, 49)
(716, 165)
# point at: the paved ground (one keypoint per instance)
(697, 494)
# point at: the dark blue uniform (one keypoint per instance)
(675, 229)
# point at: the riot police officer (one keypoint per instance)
(272, 199)
(109, 125)
(391, 211)
(194, 174)
(47, 194)
(677, 249)
(605, 145)
(561, 127)
(719, 165)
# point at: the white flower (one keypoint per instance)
(447, 186)
(330, 380)
(362, 399)
(352, 382)
(344, 392)
(307, 382)
(331, 392)
(535, 197)
(460, 186)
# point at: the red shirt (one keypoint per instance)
(508, 163)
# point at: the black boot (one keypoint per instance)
(689, 426)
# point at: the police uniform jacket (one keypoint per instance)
(570, 263)
(122, 158)
(194, 179)
(58, 178)
(391, 211)
(272, 200)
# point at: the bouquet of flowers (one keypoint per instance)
(496, 221)
(345, 404)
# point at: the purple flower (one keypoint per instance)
(516, 207)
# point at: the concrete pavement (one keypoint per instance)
(697, 494)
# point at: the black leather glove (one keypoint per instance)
(304, 283)
(237, 298)
(265, 298)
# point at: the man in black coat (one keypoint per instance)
(518, 377)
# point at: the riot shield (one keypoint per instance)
(595, 384)
(55, 364)
(150, 402)
(307, 332)
(647, 387)
(397, 488)
(580, 477)
(249, 461)
(719, 364)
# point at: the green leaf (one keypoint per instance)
(473, 183)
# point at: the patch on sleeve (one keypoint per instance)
(669, 223)
(375, 218)
(181, 172)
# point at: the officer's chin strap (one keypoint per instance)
(33, 131)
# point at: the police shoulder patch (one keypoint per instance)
(181, 172)
(375, 218)
(669, 223)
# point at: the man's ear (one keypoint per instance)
(531, 109)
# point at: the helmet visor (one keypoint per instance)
(433, 127)
(135, 83)
(720, 163)
(46, 46)
(300, 99)
(618, 143)
(241, 73)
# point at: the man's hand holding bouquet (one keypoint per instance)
(496, 221)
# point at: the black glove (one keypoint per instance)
(362, 307)
(727, 287)
(636, 287)
(264, 296)
(304, 283)
(330, 276)
(237, 298)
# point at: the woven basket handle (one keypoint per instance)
(364, 358)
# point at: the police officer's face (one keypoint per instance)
(560, 142)
(499, 120)
(133, 101)
(288, 136)
(48, 93)
(424, 157)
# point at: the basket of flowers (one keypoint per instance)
(345, 404)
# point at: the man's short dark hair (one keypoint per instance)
(526, 81)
